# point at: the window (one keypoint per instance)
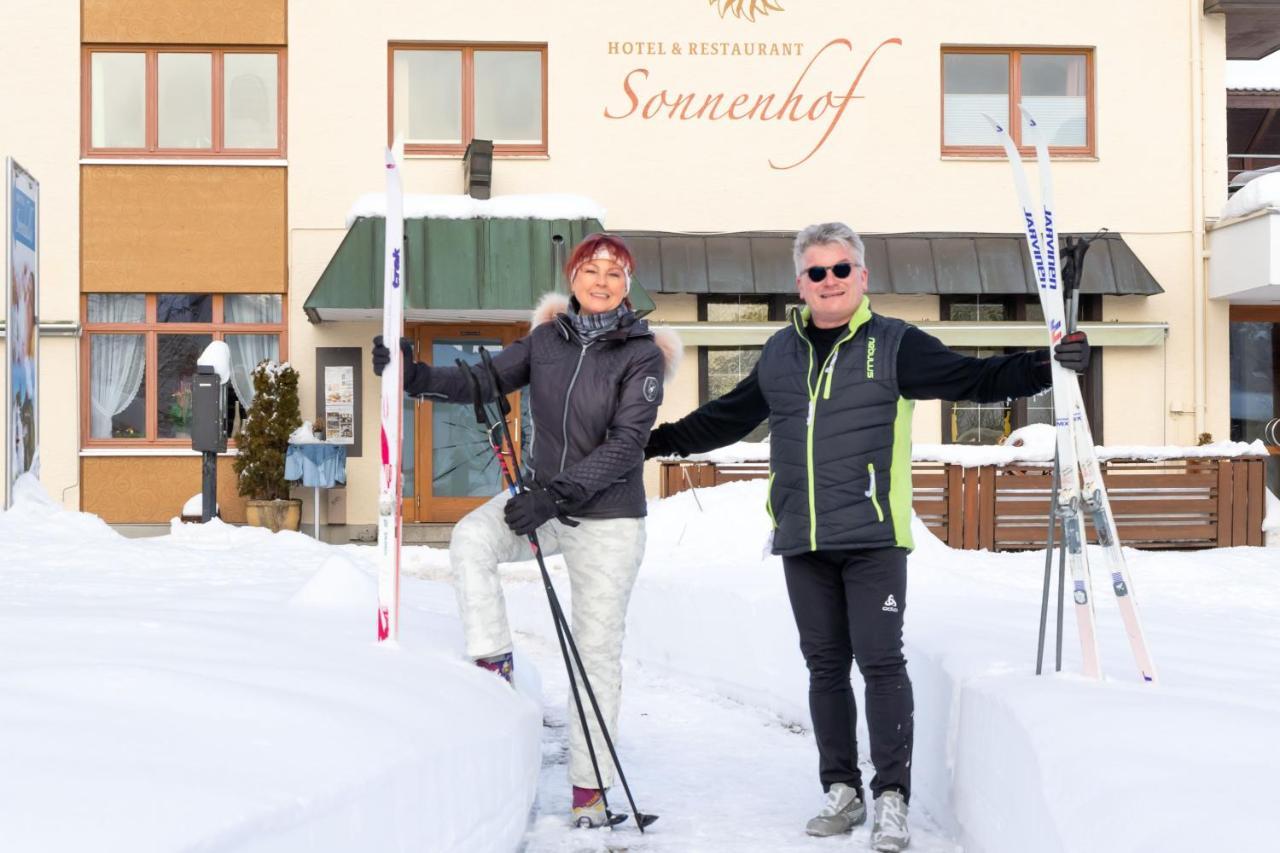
(966, 422)
(722, 368)
(141, 358)
(183, 102)
(1054, 84)
(444, 95)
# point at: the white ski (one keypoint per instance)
(390, 485)
(1080, 486)
(1093, 491)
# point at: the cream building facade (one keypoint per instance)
(681, 119)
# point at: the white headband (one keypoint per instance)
(604, 254)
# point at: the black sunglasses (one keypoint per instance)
(840, 270)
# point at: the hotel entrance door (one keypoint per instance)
(449, 468)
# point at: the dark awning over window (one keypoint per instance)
(949, 263)
(491, 270)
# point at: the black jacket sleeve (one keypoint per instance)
(623, 447)
(929, 370)
(713, 424)
(447, 382)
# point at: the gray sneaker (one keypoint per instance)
(889, 833)
(843, 811)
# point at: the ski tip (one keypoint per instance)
(1031, 120)
(994, 124)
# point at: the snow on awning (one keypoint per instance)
(531, 206)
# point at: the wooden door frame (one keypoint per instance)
(423, 507)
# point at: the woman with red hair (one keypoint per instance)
(595, 372)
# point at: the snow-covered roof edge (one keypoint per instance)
(530, 206)
(1253, 73)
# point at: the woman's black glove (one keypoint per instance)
(1072, 352)
(414, 371)
(527, 511)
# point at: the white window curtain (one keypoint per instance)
(1062, 117)
(117, 363)
(963, 122)
(247, 351)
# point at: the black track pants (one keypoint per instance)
(849, 605)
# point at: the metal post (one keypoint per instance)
(209, 486)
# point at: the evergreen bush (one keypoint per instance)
(264, 437)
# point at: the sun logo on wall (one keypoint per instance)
(745, 8)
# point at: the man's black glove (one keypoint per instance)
(413, 371)
(658, 445)
(1072, 352)
(527, 511)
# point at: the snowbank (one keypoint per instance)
(531, 206)
(220, 689)
(1006, 760)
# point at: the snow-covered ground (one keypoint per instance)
(218, 689)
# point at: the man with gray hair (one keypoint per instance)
(837, 387)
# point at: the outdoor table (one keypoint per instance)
(318, 465)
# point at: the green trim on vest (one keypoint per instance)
(799, 319)
(900, 475)
(768, 503)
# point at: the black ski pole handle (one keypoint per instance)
(477, 397)
(504, 405)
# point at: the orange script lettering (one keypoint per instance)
(796, 105)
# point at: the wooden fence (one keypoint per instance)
(1176, 503)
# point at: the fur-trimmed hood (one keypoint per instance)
(553, 304)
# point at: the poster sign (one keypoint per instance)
(21, 239)
(339, 404)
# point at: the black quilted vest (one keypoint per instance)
(840, 438)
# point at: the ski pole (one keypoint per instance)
(482, 417)
(511, 473)
(504, 409)
(685, 470)
(1048, 568)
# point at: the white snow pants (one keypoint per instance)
(603, 557)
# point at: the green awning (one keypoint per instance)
(456, 270)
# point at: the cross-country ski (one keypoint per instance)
(1081, 489)
(391, 483)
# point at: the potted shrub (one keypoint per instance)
(262, 445)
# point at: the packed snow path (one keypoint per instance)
(724, 777)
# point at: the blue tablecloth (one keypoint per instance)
(322, 465)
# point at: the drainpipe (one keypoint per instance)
(1199, 312)
(557, 260)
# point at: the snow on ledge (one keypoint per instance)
(972, 456)
(532, 206)
(1259, 194)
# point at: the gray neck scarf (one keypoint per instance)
(591, 326)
